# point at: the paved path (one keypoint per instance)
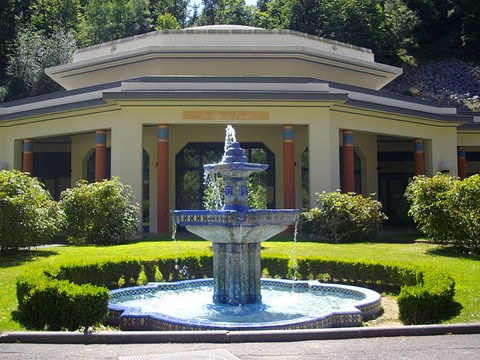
(440, 347)
(440, 342)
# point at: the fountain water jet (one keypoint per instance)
(236, 232)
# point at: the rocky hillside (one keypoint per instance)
(451, 82)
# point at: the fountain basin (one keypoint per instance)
(286, 304)
(231, 226)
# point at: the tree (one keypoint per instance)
(30, 216)
(33, 53)
(399, 41)
(107, 20)
(166, 22)
(466, 14)
(176, 8)
(435, 33)
(7, 33)
(50, 15)
(308, 16)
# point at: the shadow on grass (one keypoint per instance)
(453, 253)
(453, 311)
(20, 318)
(18, 257)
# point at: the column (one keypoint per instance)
(27, 150)
(462, 162)
(323, 159)
(418, 157)
(163, 168)
(126, 155)
(288, 167)
(348, 184)
(101, 155)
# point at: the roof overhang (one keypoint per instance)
(243, 52)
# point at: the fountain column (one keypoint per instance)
(237, 272)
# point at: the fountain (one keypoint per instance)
(236, 232)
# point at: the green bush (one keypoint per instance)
(447, 210)
(49, 303)
(75, 296)
(343, 217)
(29, 215)
(428, 301)
(425, 295)
(99, 213)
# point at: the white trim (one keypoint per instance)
(398, 103)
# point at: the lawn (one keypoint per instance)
(464, 269)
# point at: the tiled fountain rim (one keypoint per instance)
(367, 306)
(233, 218)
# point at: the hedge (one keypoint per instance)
(54, 304)
(75, 296)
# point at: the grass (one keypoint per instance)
(464, 269)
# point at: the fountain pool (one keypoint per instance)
(285, 304)
(237, 298)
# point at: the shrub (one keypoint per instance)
(54, 304)
(428, 301)
(425, 295)
(343, 217)
(447, 210)
(99, 213)
(60, 298)
(30, 216)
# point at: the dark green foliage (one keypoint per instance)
(429, 301)
(341, 217)
(396, 30)
(447, 210)
(109, 274)
(63, 297)
(48, 303)
(29, 216)
(275, 266)
(99, 213)
(382, 277)
(33, 52)
(425, 295)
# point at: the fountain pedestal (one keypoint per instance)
(237, 271)
(236, 231)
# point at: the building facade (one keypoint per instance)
(152, 109)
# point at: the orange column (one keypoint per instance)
(288, 167)
(100, 155)
(418, 157)
(462, 162)
(163, 199)
(348, 162)
(27, 164)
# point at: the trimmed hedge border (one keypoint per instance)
(75, 296)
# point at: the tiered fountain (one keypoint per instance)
(236, 232)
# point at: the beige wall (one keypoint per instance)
(4, 165)
(132, 125)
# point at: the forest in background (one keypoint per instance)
(35, 34)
